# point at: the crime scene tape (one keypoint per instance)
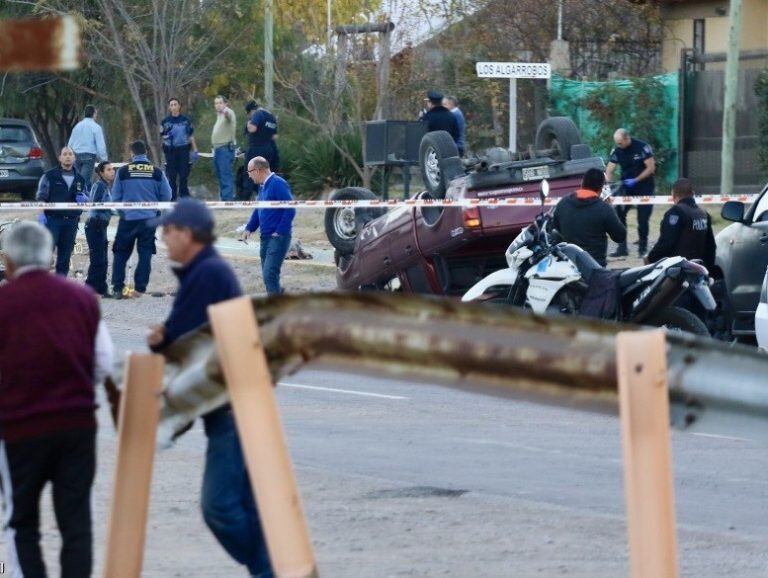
(374, 203)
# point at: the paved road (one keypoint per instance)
(402, 479)
(420, 480)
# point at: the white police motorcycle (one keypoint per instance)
(549, 276)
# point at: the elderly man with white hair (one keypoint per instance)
(54, 348)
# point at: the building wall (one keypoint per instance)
(678, 30)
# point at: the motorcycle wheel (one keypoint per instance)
(678, 319)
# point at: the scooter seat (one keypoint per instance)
(584, 262)
(630, 276)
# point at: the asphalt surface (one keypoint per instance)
(403, 479)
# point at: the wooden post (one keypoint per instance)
(261, 435)
(644, 407)
(137, 434)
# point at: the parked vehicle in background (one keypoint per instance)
(21, 158)
(761, 317)
(742, 259)
(442, 250)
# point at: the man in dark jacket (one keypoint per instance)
(54, 347)
(229, 508)
(686, 229)
(261, 130)
(62, 184)
(584, 219)
(137, 182)
(438, 117)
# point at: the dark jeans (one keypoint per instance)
(68, 461)
(224, 165)
(96, 235)
(229, 508)
(84, 164)
(177, 167)
(273, 252)
(64, 232)
(128, 234)
(643, 216)
(271, 154)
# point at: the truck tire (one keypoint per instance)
(558, 133)
(678, 319)
(439, 161)
(342, 224)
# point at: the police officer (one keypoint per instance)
(261, 130)
(686, 229)
(179, 146)
(137, 182)
(438, 117)
(62, 184)
(635, 158)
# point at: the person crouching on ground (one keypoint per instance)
(96, 229)
(54, 348)
(229, 508)
(275, 224)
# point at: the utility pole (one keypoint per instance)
(269, 58)
(729, 100)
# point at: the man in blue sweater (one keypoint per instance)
(137, 182)
(275, 224)
(229, 508)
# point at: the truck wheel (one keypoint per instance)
(558, 133)
(678, 319)
(439, 161)
(342, 224)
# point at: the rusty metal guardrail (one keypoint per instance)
(714, 387)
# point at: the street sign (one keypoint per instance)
(40, 44)
(513, 70)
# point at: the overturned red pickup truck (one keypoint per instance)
(445, 250)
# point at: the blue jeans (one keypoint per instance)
(130, 233)
(223, 162)
(85, 164)
(273, 252)
(229, 509)
(96, 235)
(64, 232)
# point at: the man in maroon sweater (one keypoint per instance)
(53, 349)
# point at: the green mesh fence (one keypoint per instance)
(648, 107)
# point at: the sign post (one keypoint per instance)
(513, 71)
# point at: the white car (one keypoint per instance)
(761, 317)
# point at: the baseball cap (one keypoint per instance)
(434, 95)
(188, 213)
(251, 105)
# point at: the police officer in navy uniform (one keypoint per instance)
(137, 182)
(62, 184)
(438, 117)
(261, 130)
(686, 229)
(180, 148)
(635, 158)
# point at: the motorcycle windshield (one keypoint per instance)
(523, 238)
